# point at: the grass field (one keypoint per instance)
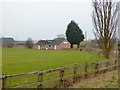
(21, 60)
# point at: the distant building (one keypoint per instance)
(19, 42)
(58, 43)
(7, 42)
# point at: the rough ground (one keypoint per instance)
(0, 85)
(107, 80)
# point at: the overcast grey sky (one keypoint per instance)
(44, 20)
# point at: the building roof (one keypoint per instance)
(6, 41)
(19, 42)
(56, 41)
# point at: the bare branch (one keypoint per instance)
(105, 23)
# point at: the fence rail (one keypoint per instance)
(89, 70)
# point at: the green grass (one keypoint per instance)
(22, 60)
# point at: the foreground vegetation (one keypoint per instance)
(106, 80)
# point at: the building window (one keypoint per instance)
(65, 42)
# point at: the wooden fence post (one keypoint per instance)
(40, 79)
(61, 76)
(115, 64)
(107, 64)
(4, 78)
(86, 69)
(96, 68)
(74, 72)
(100, 66)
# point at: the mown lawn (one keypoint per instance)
(22, 60)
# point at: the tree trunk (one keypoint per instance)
(107, 54)
(78, 45)
(71, 45)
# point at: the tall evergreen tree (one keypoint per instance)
(74, 34)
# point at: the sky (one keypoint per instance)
(44, 19)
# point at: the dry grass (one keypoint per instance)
(107, 80)
(0, 84)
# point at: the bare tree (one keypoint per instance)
(105, 23)
(60, 36)
(29, 43)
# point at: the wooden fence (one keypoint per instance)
(79, 72)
